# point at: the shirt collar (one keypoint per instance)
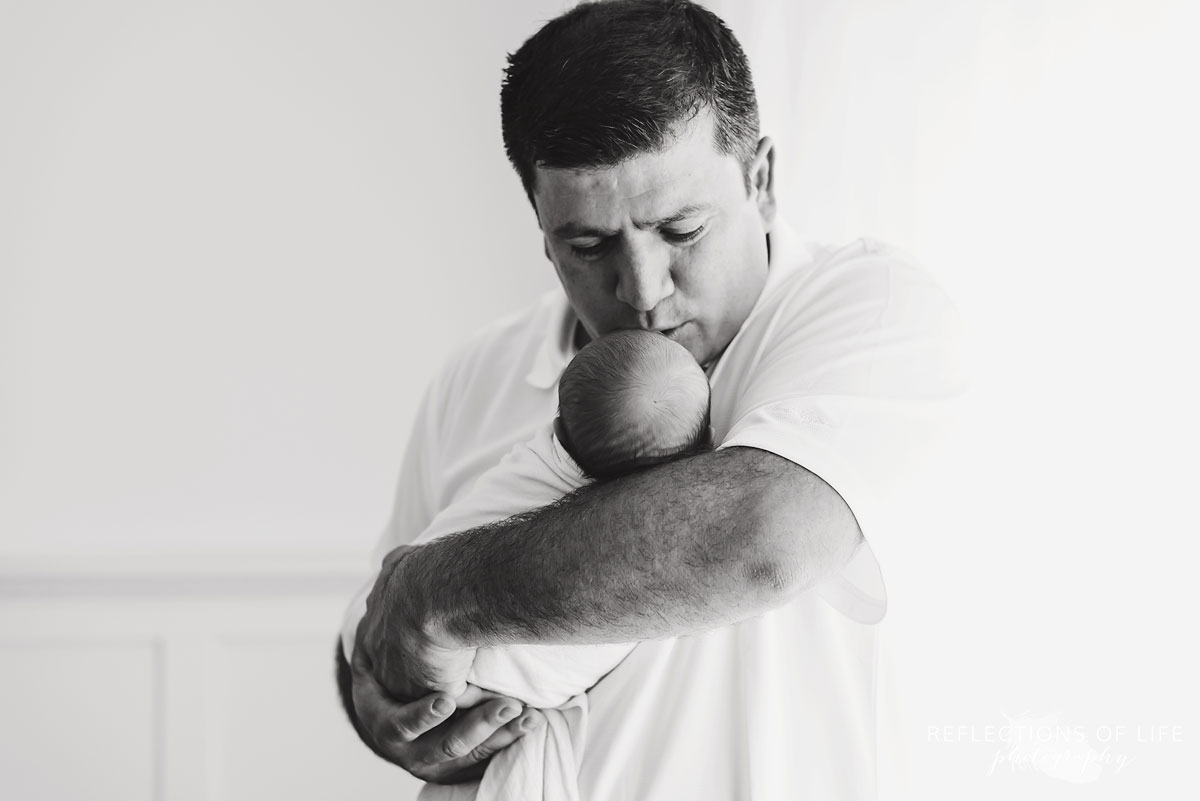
(787, 253)
(558, 343)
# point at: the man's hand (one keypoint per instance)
(436, 738)
(444, 737)
(396, 648)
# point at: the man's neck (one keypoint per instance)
(581, 337)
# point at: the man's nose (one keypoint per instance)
(644, 275)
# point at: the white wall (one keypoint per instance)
(235, 241)
(237, 238)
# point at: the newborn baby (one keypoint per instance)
(632, 400)
(627, 401)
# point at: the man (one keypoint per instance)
(742, 572)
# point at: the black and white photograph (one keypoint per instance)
(619, 400)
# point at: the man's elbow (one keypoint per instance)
(804, 534)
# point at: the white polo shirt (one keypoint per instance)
(844, 366)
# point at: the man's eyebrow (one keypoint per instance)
(574, 230)
(689, 210)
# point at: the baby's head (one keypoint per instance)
(632, 399)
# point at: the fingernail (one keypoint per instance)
(442, 707)
(509, 712)
(528, 722)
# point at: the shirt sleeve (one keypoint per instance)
(413, 509)
(856, 376)
(533, 474)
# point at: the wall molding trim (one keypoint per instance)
(191, 575)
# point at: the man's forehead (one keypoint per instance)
(598, 198)
(688, 173)
(574, 207)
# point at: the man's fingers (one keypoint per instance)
(389, 721)
(472, 766)
(474, 696)
(422, 736)
(507, 735)
(464, 735)
(413, 720)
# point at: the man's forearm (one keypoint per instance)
(684, 547)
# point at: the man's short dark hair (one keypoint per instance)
(610, 80)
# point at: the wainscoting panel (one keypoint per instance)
(179, 680)
(78, 718)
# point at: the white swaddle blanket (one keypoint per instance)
(543, 764)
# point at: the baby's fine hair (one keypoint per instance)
(630, 400)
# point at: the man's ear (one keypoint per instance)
(761, 175)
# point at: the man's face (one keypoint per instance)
(667, 241)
